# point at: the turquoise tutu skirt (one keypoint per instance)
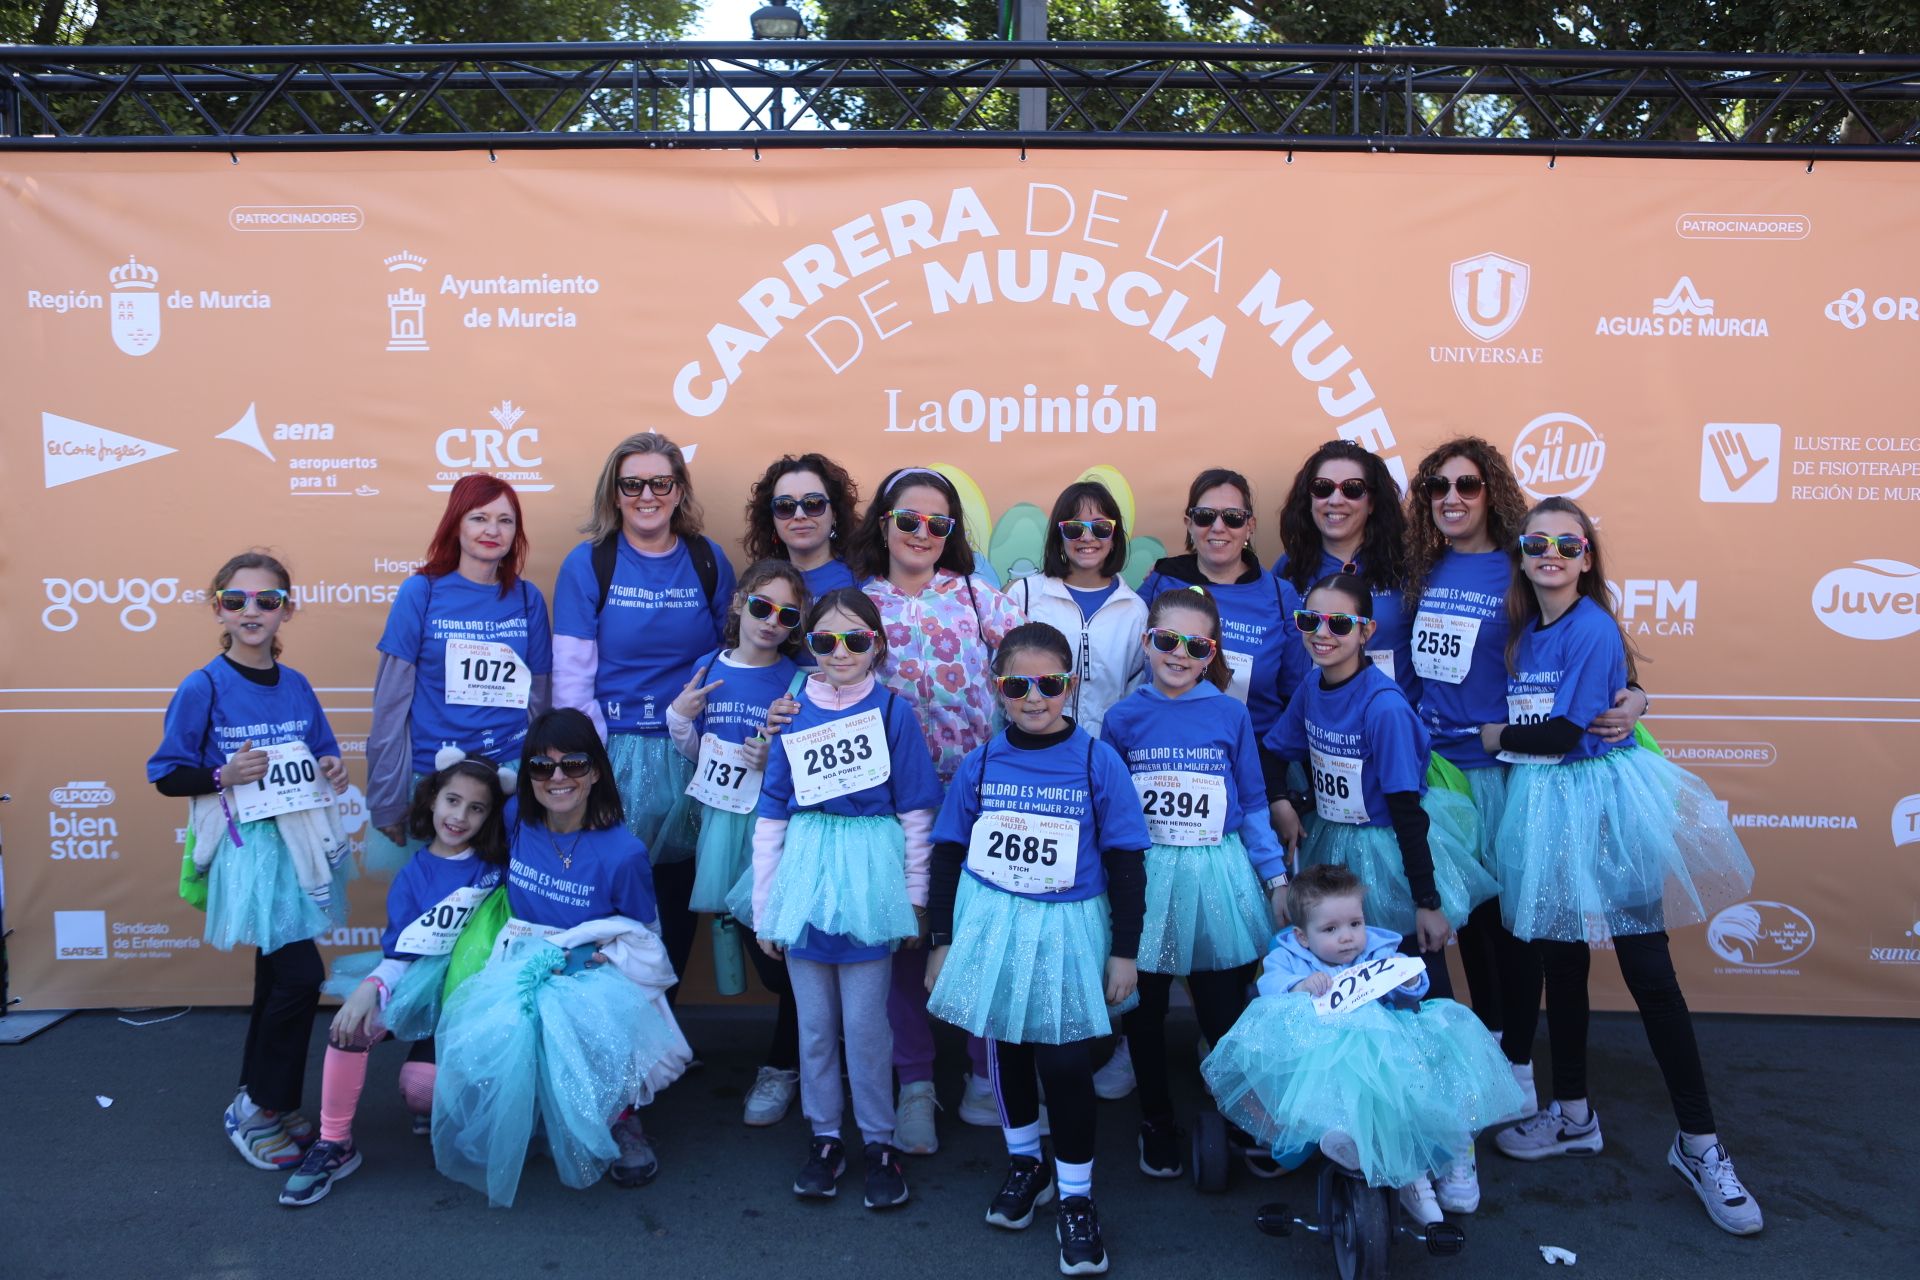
(1623, 844)
(1489, 787)
(1026, 971)
(382, 857)
(519, 1041)
(1205, 909)
(1373, 854)
(840, 875)
(1410, 1086)
(725, 850)
(740, 900)
(254, 899)
(413, 1006)
(652, 776)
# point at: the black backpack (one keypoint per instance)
(606, 553)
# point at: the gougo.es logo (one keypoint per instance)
(136, 597)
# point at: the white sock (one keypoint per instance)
(1698, 1144)
(1024, 1141)
(833, 1134)
(1075, 1179)
(248, 1108)
(1577, 1110)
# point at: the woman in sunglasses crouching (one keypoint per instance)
(568, 1020)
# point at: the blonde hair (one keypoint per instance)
(603, 518)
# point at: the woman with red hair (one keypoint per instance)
(466, 660)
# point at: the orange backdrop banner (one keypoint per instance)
(305, 351)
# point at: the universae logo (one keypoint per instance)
(1760, 934)
(1870, 600)
(1558, 455)
(1489, 292)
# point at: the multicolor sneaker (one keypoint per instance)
(324, 1164)
(299, 1129)
(636, 1165)
(259, 1136)
(1710, 1174)
(819, 1177)
(1550, 1133)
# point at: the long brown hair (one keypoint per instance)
(251, 560)
(1200, 600)
(1523, 606)
(843, 496)
(1506, 507)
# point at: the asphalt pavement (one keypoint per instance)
(1817, 1113)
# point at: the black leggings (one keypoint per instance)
(784, 1053)
(672, 889)
(1481, 952)
(286, 994)
(1647, 967)
(1067, 1071)
(1219, 997)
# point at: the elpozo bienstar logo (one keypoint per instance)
(1760, 935)
(1489, 293)
(1557, 455)
(507, 449)
(74, 835)
(1870, 600)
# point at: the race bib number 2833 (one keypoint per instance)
(838, 758)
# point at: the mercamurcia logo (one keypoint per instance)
(1870, 600)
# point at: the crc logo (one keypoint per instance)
(1906, 821)
(1656, 606)
(1870, 600)
(136, 596)
(80, 935)
(81, 795)
(1851, 309)
(1760, 935)
(1558, 456)
(508, 450)
(1489, 292)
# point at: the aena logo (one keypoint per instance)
(1870, 600)
(1489, 292)
(1760, 935)
(81, 795)
(136, 596)
(1558, 456)
(1906, 821)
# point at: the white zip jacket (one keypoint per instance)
(1108, 660)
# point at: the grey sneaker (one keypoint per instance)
(1550, 1133)
(771, 1097)
(1710, 1174)
(913, 1128)
(1459, 1190)
(636, 1165)
(1115, 1080)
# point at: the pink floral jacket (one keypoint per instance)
(938, 660)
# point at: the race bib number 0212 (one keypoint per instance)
(838, 758)
(1362, 984)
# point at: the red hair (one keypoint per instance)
(443, 550)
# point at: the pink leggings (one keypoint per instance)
(344, 1076)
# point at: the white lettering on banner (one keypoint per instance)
(1870, 600)
(75, 837)
(507, 451)
(292, 784)
(1489, 292)
(838, 758)
(1557, 456)
(722, 777)
(1024, 852)
(1743, 226)
(1443, 645)
(1851, 309)
(1339, 793)
(1682, 313)
(486, 673)
(80, 935)
(1183, 808)
(1362, 984)
(136, 596)
(435, 932)
(968, 411)
(1528, 708)
(1673, 605)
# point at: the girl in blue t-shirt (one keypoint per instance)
(466, 659)
(840, 879)
(1601, 841)
(720, 722)
(245, 741)
(635, 607)
(1214, 860)
(1036, 904)
(568, 1020)
(1367, 757)
(397, 990)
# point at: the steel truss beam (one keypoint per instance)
(953, 93)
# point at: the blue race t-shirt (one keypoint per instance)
(1364, 723)
(657, 621)
(737, 710)
(424, 884)
(426, 614)
(1079, 777)
(1392, 627)
(1256, 623)
(1091, 598)
(1466, 593)
(830, 576)
(1202, 731)
(609, 875)
(911, 783)
(216, 711)
(1579, 660)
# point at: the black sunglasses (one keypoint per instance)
(1341, 624)
(1469, 486)
(1200, 648)
(1351, 490)
(235, 601)
(575, 765)
(1232, 517)
(1014, 688)
(910, 521)
(634, 486)
(1570, 545)
(1072, 530)
(814, 504)
(786, 615)
(825, 642)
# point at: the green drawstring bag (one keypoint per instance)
(193, 885)
(1641, 738)
(1443, 774)
(475, 943)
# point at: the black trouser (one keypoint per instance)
(1067, 1072)
(1647, 967)
(1481, 950)
(784, 1053)
(286, 994)
(1219, 998)
(672, 890)
(1439, 981)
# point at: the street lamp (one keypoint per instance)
(778, 21)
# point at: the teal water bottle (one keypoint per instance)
(729, 966)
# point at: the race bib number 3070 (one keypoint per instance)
(838, 758)
(292, 783)
(435, 932)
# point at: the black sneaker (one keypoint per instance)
(1029, 1183)
(820, 1176)
(886, 1183)
(324, 1164)
(1161, 1143)
(1082, 1251)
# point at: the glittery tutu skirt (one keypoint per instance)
(519, 1040)
(1373, 854)
(740, 900)
(255, 900)
(413, 1006)
(1410, 1086)
(652, 776)
(382, 857)
(1024, 970)
(1489, 789)
(1622, 844)
(725, 850)
(841, 875)
(1205, 909)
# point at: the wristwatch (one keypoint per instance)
(1275, 882)
(1431, 902)
(939, 940)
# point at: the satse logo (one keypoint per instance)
(509, 450)
(1489, 292)
(80, 935)
(1740, 462)
(1760, 935)
(1558, 456)
(136, 596)
(1906, 821)
(1870, 600)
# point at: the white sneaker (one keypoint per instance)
(1418, 1200)
(978, 1106)
(913, 1128)
(771, 1096)
(1523, 1076)
(1710, 1174)
(1115, 1080)
(1341, 1149)
(1550, 1133)
(1459, 1189)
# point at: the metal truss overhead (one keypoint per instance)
(951, 93)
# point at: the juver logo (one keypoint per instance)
(136, 307)
(1906, 821)
(1558, 455)
(1870, 600)
(1489, 293)
(1760, 935)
